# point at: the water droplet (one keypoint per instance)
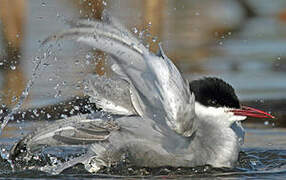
(25, 93)
(35, 112)
(48, 115)
(23, 115)
(197, 13)
(78, 86)
(266, 123)
(13, 67)
(261, 101)
(58, 94)
(253, 162)
(76, 62)
(64, 116)
(135, 30)
(72, 112)
(14, 99)
(76, 108)
(36, 59)
(87, 56)
(154, 39)
(141, 34)
(57, 86)
(46, 64)
(44, 4)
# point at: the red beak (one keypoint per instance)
(251, 112)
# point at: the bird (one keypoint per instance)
(150, 114)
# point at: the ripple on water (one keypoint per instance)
(254, 162)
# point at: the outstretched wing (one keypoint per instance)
(78, 130)
(158, 89)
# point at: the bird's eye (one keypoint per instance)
(212, 102)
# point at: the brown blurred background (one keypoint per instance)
(241, 41)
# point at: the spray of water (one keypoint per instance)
(38, 69)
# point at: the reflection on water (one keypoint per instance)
(205, 38)
(263, 155)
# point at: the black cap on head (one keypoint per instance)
(211, 91)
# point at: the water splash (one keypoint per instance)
(38, 69)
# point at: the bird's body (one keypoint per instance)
(150, 113)
(141, 140)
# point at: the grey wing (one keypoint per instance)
(177, 100)
(78, 130)
(158, 89)
(112, 95)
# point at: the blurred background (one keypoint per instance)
(241, 41)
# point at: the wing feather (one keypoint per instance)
(158, 89)
(77, 130)
(112, 95)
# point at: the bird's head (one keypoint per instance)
(216, 99)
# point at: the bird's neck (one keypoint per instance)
(214, 145)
